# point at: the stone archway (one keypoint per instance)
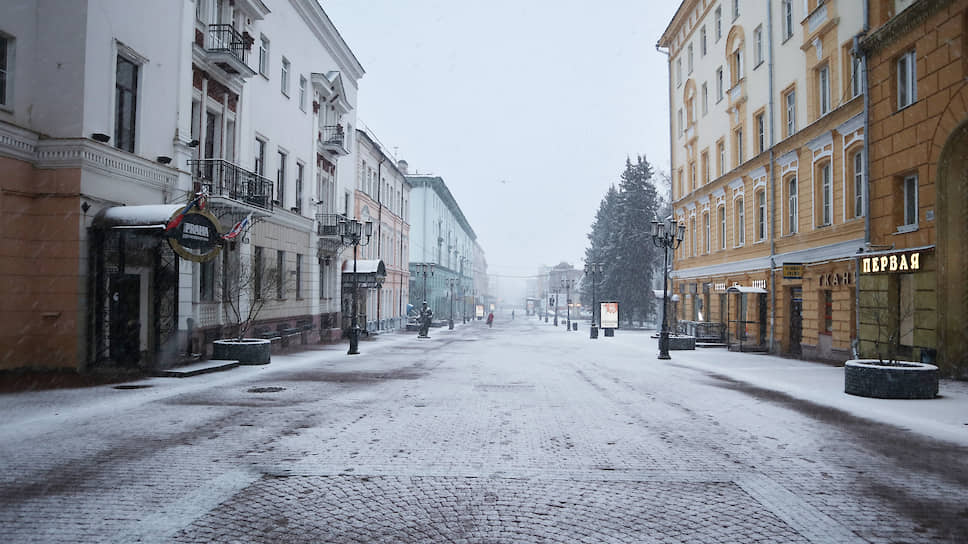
(952, 243)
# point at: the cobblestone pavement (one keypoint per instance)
(520, 433)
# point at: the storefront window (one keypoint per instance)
(828, 312)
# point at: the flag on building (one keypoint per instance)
(238, 229)
(175, 221)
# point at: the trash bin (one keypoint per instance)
(574, 325)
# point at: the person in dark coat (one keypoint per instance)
(490, 319)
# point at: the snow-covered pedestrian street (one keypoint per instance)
(518, 433)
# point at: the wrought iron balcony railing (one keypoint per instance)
(331, 138)
(225, 38)
(223, 178)
(328, 224)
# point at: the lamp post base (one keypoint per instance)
(593, 331)
(450, 324)
(354, 341)
(664, 345)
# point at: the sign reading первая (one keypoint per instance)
(895, 262)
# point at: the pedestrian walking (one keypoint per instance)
(490, 319)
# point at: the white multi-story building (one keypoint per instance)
(442, 241)
(117, 113)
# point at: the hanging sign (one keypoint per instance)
(793, 271)
(196, 236)
(609, 313)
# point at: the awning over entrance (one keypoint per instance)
(672, 296)
(148, 216)
(745, 289)
(369, 273)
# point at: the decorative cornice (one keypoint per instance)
(902, 23)
(17, 143)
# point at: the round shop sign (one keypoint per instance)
(197, 237)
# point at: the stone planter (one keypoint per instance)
(885, 380)
(248, 351)
(681, 342)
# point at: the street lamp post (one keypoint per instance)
(666, 238)
(463, 292)
(594, 271)
(451, 282)
(352, 233)
(567, 284)
(556, 306)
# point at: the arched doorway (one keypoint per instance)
(952, 243)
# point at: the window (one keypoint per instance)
(281, 178)
(302, 93)
(705, 231)
(758, 45)
(264, 56)
(702, 41)
(792, 204)
(693, 246)
(787, 19)
(284, 79)
(858, 161)
(125, 104)
(761, 215)
(260, 157)
(257, 273)
(322, 279)
(735, 9)
(680, 121)
(722, 227)
(739, 147)
(740, 222)
(718, 22)
(692, 176)
(678, 71)
(206, 281)
(911, 200)
(280, 273)
(6, 65)
(907, 83)
(760, 134)
(721, 147)
(823, 89)
(704, 158)
(827, 196)
(689, 58)
(300, 167)
(705, 98)
(299, 275)
(790, 111)
(719, 84)
(856, 76)
(737, 66)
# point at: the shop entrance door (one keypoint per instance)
(796, 319)
(125, 321)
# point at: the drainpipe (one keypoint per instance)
(379, 230)
(770, 106)
(867, 170)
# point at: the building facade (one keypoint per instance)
(118, 116)
(447, 265)
(913, 284)
(768, 154)
(382, 196)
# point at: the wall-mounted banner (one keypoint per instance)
(609, 313)
(197, 236)
(909, 261)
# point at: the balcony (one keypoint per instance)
(224, 179)
(327, 224)
(330, 139)
(228, 49)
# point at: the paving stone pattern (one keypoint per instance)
(520, 433)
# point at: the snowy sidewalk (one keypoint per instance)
(944, 418)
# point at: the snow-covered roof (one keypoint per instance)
(148, 216)
(369, 266)
(744, 289)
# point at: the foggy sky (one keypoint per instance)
(526, 108)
